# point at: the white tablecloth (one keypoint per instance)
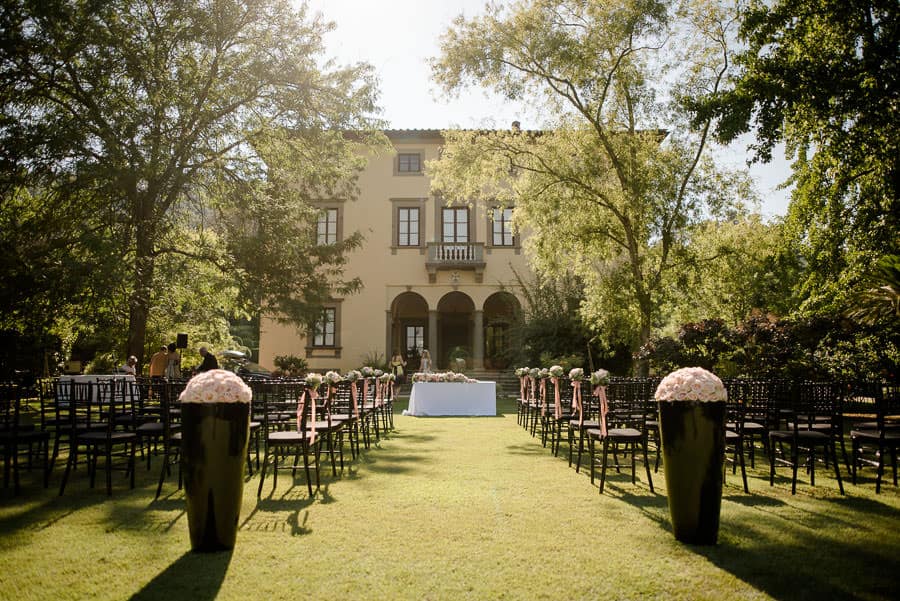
(453, 398)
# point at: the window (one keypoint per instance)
(415, 338)
(409, 162)
(502, 228)
(408, 226)
(455, 223)
(327, 227)
(323, 329)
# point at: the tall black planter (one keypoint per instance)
(693, 449)
(213, 451)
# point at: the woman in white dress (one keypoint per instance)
(173, 363)
(425, 365)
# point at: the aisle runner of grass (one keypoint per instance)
(453, 508)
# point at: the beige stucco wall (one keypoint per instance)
(386, 272)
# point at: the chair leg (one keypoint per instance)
(795, 459)
(603, 466)
(306, 470)
(837, 466)
(262, 474)
(647, 466)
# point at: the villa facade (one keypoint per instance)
(435, 277)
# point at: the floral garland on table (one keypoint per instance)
(447, 376)
(216, 386)
(691, 384)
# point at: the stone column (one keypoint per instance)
(433, 338)
(388, 330)
(478, 340)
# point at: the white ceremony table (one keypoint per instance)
(452, 398)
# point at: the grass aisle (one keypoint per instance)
(454, 508)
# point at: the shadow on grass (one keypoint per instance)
(195, 576)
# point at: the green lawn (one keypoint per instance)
(453, 508)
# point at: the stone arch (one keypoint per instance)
(408, 330)
(502, 313)
(455, 331)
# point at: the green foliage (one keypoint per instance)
(291, 365)
(170, 141)
(746, 267)
(610, 187)
(878, 300)
(764, 346)
(823, 77)
(376, 360)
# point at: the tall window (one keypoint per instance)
(323, 329)
(415, 337)
(408, 226)
(502, 226)
(326, 228)
(455, 224)
(409, 162)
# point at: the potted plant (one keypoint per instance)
(692, 409)
(215, 427)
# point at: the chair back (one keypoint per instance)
(818, 403)
(736, 403)
(10, 399)
(626, 403)
(887, 404)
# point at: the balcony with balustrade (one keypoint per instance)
(455, 256)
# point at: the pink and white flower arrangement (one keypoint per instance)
(314, 380)
(691, 384)
(576, 374)
(353, 375)
(377, 373)
(534, 372)
(544, 373)
(367, 372)
(386, 377)
(216, 386)
(522, 372)
(333, 377)
(600, 378)
(556, 371)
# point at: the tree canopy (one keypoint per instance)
(154, 140)
(823, 76)
(610, 186)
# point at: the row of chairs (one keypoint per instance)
(798, 424)
(301, 422)
(108, 418)
(614, 424)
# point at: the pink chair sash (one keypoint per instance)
(557, 403)
(576, 401)
(301, 408)
(600, 391)
(353, 394)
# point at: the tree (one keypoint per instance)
(823, 76)
(159, 118)
(611, 184)
(747, 267)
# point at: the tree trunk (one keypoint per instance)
(141, 295)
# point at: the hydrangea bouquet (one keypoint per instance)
(333, 377)
(216, 386)
(576, 374)
(314, 380)
(600, 378)
(353, 375)
(691, 384)
(556, 371)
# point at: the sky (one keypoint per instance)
(397, 37)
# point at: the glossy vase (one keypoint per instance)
(693, 450)
(213, 452)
